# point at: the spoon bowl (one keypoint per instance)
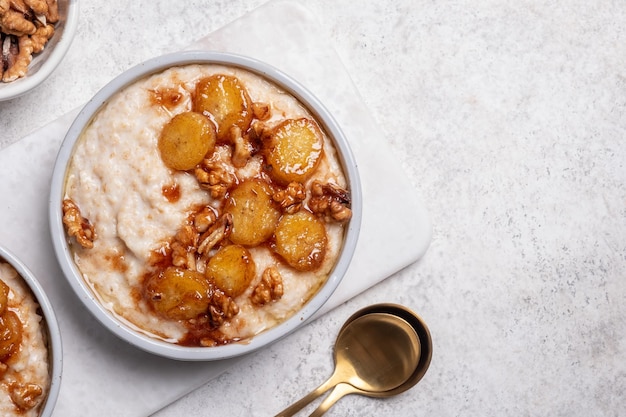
(376, 352)
(423, 333)
(381, 350)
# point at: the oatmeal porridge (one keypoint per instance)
(205, 205)
(24, 368)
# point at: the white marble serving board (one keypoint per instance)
(104, 376)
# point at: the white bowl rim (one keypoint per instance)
(25, 84)
(85, 294)
(55, 345)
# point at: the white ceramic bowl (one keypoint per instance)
(51, 330)
(45, 62)
(60, 239)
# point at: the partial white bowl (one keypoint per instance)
(45, 62)
(51, 329)
(60, 239)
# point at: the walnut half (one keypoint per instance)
(330, 202)
(25, 396)
(290, 199)
(222, 308)
(213, 176)
(193, 241)
(219, 231)
(269, 289)
(76, 225)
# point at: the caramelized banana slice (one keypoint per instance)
(231, 269)
(4, 296)
(10, 334)
(185, 140)
(300, 239)
(178, 294)
(253, 211)
(225, 99)
(294, 150)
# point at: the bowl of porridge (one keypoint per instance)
(30, 343)
(204, 205)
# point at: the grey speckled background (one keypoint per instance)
(510, 120)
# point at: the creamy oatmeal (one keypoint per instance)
(24, 376)
(205, 205)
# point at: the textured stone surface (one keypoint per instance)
(509, 119)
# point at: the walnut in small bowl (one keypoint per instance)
(34, 37)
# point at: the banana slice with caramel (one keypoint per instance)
(226, 101)
(10, 334)
(178, 294)
(231, 269)
(293, 150)
(254, 212)
(301, 240)
(185, 140)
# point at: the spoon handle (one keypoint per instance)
(302, 402)
(339, 391)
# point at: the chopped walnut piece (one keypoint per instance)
(22, 60)
(78, 226)
(41, 37)
(19, 5)
(25, 396)
(4, 6)
(10, 52)
(290, 199)
(52, 16)
(260, 131)
(330, 201)
(243, 149)
(213, 176)
(269, 289)
(219, 231)
(196, 237)
(222, 308)
(184, 247)
(261, 111)
(14, 22)
(204, 219)
(38, 6)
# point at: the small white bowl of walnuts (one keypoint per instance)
(30, 343)
(34, 37)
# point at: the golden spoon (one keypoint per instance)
(378, 353)
(420, 368)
